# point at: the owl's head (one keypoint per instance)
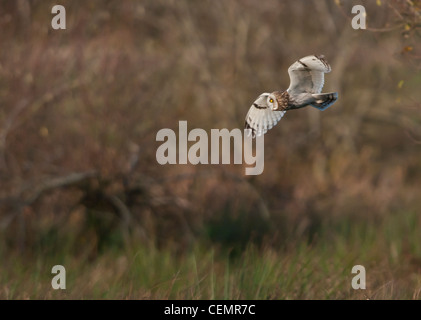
(278, 100)
(272, 102)
(266, 100)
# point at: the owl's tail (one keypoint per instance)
(324, 100)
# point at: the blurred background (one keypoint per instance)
(80, 185)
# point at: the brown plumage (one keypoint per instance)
(282, 97)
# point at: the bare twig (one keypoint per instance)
(13, 118)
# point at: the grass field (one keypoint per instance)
(390, 251)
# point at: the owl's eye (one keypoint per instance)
(271, 100)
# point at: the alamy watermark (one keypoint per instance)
(358, 281)
(359, 21)
(59, 280)
(59, 20)
(175, 150)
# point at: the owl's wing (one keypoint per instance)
(261, 118)
(307, 75)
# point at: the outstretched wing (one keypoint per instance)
(261, 117)
(307, 75)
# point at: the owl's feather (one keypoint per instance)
(324, 100)
(261, 118)
(307, 75)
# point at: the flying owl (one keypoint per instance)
(306, 83)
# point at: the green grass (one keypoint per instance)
(390, 251)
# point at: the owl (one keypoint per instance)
(306, 83)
